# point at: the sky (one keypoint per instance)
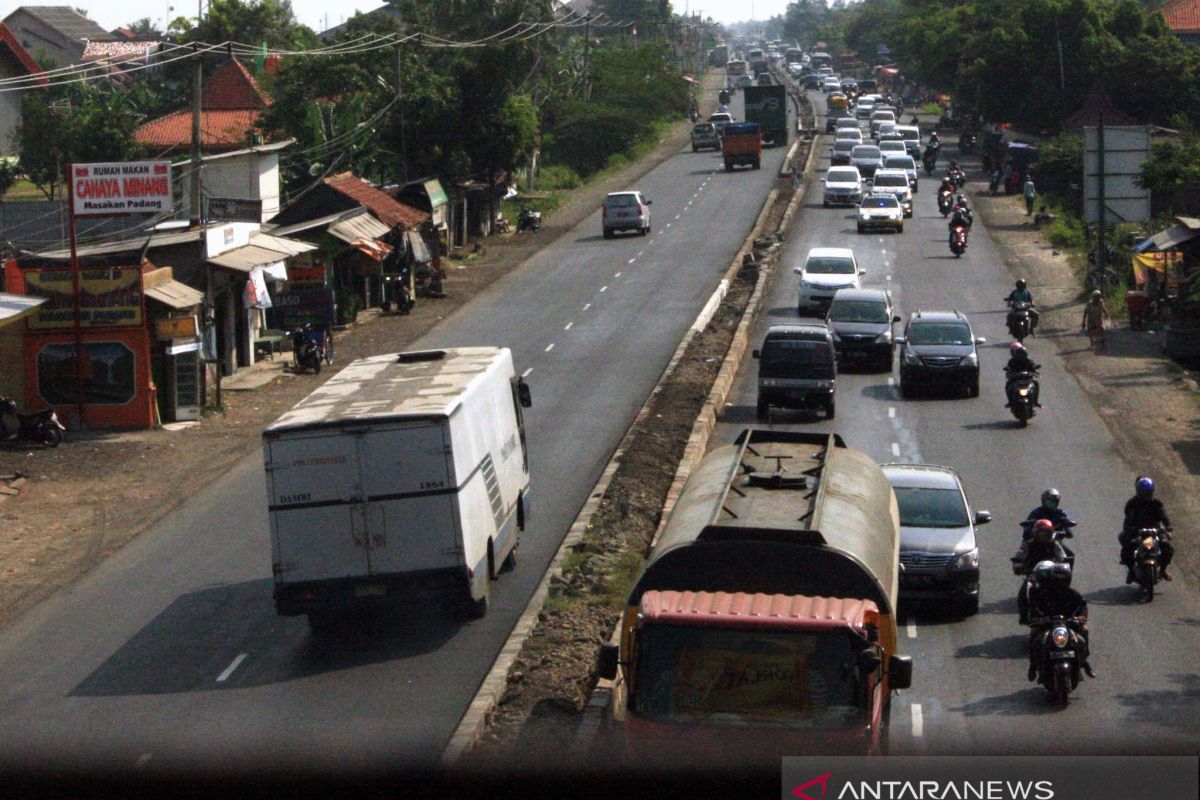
(314, 13)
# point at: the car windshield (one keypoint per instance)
(880, 202)
(939, 333)
(621, 201)
(844, 145)
(931, 508)
(865, 151)
(891, 180)
(900, 162)
(858, 311)
(895, 147)
(842, 176)
(831, 265)
(796, 358)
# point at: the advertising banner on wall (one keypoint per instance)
(131, 187)
(107, 297)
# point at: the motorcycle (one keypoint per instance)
(958, 240)
(958, 178)
(966, 145)
(929, 159)
(42, 426)
(310, 348)
(1024, 385)
(1058, 663)
(1020, 320)
(1147, 557)
(1021, 567)
(945, 202)
(529, 220)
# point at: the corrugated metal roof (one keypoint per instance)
(363, 226)
(130, 245)
(386, 208)
(15, 306)
(719, 609)
(289, 247)
(380, 387)
(175, 294)
(247, 257)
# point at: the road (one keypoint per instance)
(969, 693)
(169, 654)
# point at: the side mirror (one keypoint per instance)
(798, 270)
(900, 339)
(756, 354)
(895, 319)
(900, 672)
(980, 340)
(606, 662)
(983, 517)
(523, 393)
(649, 202)
(862, 272)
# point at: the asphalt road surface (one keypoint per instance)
(170, 655)
(970, 694)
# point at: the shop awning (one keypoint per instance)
(15, 306)
(289, 246)
(173, 293)
(363, 226)
(372, 247)
(247, 257)
(419, 250)
(1187, 229)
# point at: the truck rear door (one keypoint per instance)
(314, 495)
(411, 495)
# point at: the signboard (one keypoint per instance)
(294, 307)
(107, 297)
(176, 328)
(131, 187)
(1126, 148)
(228, 209)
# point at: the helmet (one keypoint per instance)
(1043, 531)
(962, 200)
(1016, 347)
(1020, 283)
(1095, 293)
(1050, 498)
(1144, 487)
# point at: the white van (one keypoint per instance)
(403, 474)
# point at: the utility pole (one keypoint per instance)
(587, 55)
(197, 78)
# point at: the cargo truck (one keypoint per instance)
(763, 624)
(741, 144)
(405, 474)
(767, 105)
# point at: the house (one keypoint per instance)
(118, 56)
(57, 36)
(231, 106)
(15, 62)
(1183, 18)
(239, 185)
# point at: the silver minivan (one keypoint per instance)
(625, 211)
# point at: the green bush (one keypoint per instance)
(1066, 232)
(558, 176)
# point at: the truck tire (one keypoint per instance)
(475, 609)
(695, 149)
(728, 165)
(510, 561)
(757, 163)
(608, 234)
(830, 408)
(763, 410)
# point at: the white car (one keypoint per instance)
(825, 270)
(890, 147)
(843, 186)
(625, 211)
(864, 108)
(831, 85)
(853, 134)
(904, 162)
(880, 211)
(895, 182)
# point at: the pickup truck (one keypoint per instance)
(742, 144)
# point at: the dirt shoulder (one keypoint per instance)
(1149, 403)
(85, 500)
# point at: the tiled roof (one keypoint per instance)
(1181, 15)
(68, 22)
(232, 87)
(389, 211)
(219, 130)
(9, 42)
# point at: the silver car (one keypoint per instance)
(704, 135)
(939, 555)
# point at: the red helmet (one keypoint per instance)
(1043, 530)
(1015, 347)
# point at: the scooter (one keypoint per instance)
(958, 178)
(310, 348)
(1147, 557)
(966, 144)
(945, 202)
(958, 240)
(1024, 389)
(42, 426)
(1057, 656)
(529, 220)
(1020, 320)
(929, 159)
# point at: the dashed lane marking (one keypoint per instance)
(142, 759)
(525, 374)
(604, 288)
(911, 627)
(229, 670)
(567, 327)
(630, 261)
(549, 347)
(616, 274)
(891, 412)
(586, 306)
(918, 721)
(895, 448)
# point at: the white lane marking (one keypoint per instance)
(889, 277)
(891, 381)
(911, 627)
(895, 448)
(891, 412)
(604, 288)
(142, 759)
(567, 327)
(676, 217)
(586, 306)
(525, 374)
(616, 274)
(229, 670)
(549, 347)
(918, 721)
(668, 225)
(630, 261)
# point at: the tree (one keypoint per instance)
(144, 28)
(248, 22)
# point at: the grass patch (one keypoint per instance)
(622, 574)
(23, 190)
(933, 108)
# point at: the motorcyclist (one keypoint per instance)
(1042, 546)
(960, 202)
(1051, 510)
(1021, 294)
(1051, 595)
(1019, 362)
(1144, 510)
(958, 218)
(947, 186)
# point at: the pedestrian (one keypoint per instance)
(1095, 318)
(1030, 193)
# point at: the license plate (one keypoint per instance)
(370, 590)
(1062, 655)
(919, 580)
(797, 394)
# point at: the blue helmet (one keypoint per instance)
(1144, 487)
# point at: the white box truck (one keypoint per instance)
(404, 474)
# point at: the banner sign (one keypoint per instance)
(131, 187)
(107, 297)
(291, 309)
(1169, 263)
(990, 778)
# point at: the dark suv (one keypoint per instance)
(938, 350)
(797, 368)
(861, 323)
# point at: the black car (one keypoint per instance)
(938, 349)
(797, 368)
(812, 81)
(861, 323)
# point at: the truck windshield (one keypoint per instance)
(796, 358)
(791, 679)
